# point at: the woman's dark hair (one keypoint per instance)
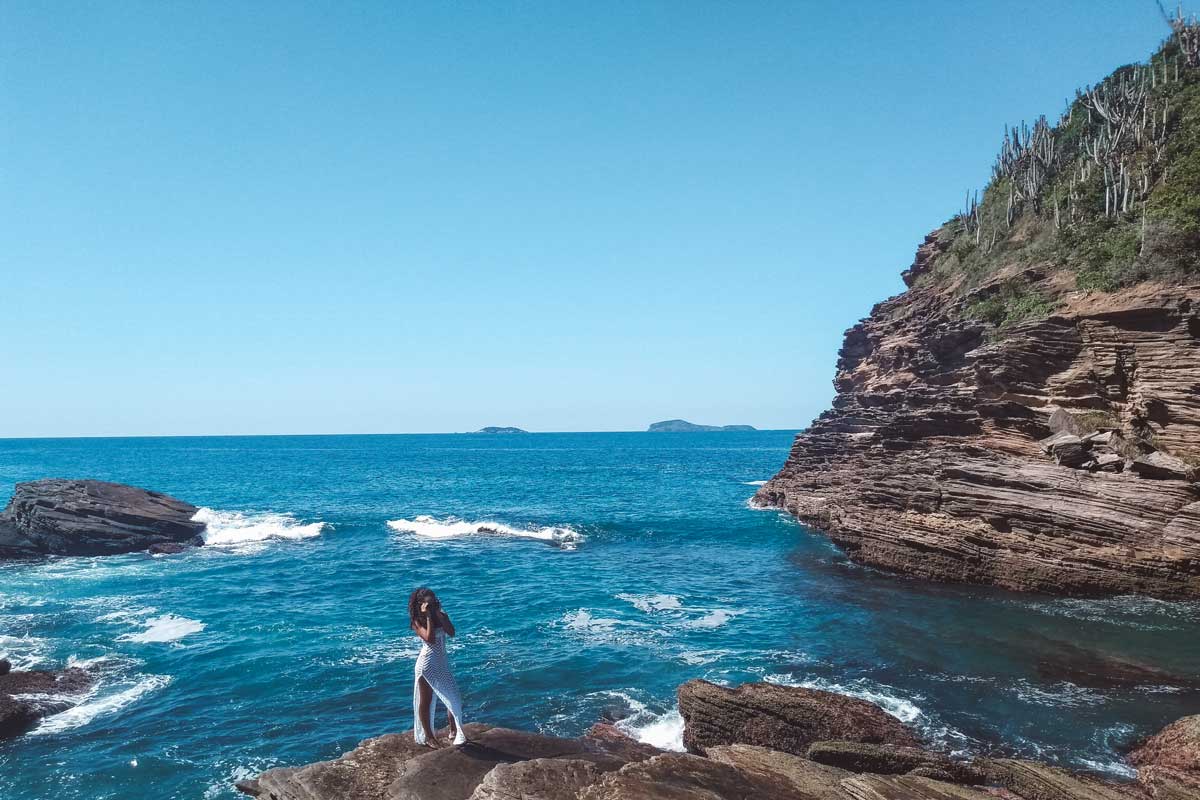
(419, 596)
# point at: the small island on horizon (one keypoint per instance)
(498, 429)
(683, 426)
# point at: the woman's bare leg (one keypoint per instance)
(423, 717)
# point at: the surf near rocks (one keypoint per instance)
(26, 697)
(830, 759)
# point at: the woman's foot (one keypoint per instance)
(460, 738)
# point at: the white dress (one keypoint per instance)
(434, 667)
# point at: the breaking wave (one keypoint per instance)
(663, 730)
(452, 528)
(98, 704)
(239, 529)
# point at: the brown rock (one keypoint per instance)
(784, 718)
(808, 778)
(929, 463)
(1176, 746)
(1033, 781)
(539, 779)
(396, 768)
(884, 759)
(1163, 467)
(679, 776)
(1162, 783)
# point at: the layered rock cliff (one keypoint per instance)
(1027, 413)
(933, 460)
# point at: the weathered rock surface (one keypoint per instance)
(784, 718)
(1176, 746)
(26, 697)
(84, 517)
(504, 764)
(931, 461)
(891, 760)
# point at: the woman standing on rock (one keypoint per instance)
(432, 676)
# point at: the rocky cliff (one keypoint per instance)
(1027, 413)
(1056, 456)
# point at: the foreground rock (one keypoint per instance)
(84, 517)
(505, 764)
(784, 718)
(1176, 746)
(26, 697)
(1055, 455)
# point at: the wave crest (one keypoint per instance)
(429, 527)
(239, 529)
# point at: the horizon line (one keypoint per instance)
(376, 433)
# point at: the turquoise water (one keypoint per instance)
(620, 565)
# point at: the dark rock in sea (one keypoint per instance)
(85, 517)
(496, 429)
(5, 666)
(683, 426)
(167, 548)
(26, 697)
(932, 460)
(785, 718)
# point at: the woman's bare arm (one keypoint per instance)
(425, 631)
(447, 625)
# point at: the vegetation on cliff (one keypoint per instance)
(1109, 196)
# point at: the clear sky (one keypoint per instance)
(433, 216)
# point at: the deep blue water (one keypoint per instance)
(230, 659)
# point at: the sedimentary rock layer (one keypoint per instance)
(504, 764)
(931, 461)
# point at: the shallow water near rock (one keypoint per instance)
(588, 575)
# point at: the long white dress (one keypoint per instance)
(434, 666)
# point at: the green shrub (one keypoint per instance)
(1012, 302)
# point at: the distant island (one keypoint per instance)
(495, 429)
(683, 426)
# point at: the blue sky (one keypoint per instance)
(226, 218)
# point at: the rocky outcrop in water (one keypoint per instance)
(505, 764)
(26, 697)
(781, 717)
(84, 517)
(1056, 454)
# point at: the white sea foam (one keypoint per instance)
(662, 730)
(1118, 769)
(883, 696)
(699, 658)
(241, 529)
(100, 703)
(714, 619)
(429, 527)
(166, 628)
(1059, 694)
(754, 483)
(24, 652)
(583, 620)
(650, 603)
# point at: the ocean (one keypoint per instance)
(588, 574)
